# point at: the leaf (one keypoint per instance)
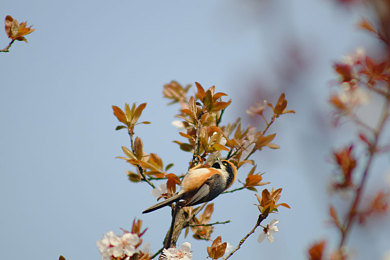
(285, 205)
(15, 30)
(264, 140)
(145, 122)
(133, 177)
(119, 114)
(273, 146)
(156, 160)
(220, 105)
(119, 127)
(138, 148)
(185, 135)
(366, 25)
(128, 153)
(251, 188)
(169, 166)
(138, 112)
(281, 105)
(128, 112)
(200, 94)
(218, 95)
(219, 147)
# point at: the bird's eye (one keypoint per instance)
(216, 165)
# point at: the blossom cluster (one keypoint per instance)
(118, 247)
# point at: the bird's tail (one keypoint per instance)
(163, 203)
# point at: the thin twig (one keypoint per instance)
(210, 224)
(141, 171)
(6, 49)
(372, 151)
(231, 191)
(157, 253)
(259, 220)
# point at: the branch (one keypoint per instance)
(157, 253)
(259, 220)
(231, 191)
(6, 49)
(208, 225)
(372, 151)
(141, 171)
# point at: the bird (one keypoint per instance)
(201, 185)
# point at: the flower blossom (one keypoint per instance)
(161, 191)
(184, 253)
(351, 95)
(117, 246)
(268, 231)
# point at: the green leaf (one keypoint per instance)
(119, 127)
(169, 166)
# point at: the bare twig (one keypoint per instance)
(210, 224)
(6, 49)
(259, 220)
(345, 231)
(231, 191)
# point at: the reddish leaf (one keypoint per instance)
(119, 114)
(138, 112)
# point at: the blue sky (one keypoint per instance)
(61, 187)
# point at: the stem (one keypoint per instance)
(231, 191)
(141, 171)
(157, 253)
(211, 224)
(6, 49)
(259, 220)
(372, 151)
(220, 117)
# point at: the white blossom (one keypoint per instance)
(268, 231)
(179, 124)
(351, 59)
(184, 253)
(353, 95)
(112, 245)
(160, 190)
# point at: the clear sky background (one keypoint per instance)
(61, 188)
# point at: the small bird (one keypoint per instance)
(201, 185)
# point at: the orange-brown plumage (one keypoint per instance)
(201, 185)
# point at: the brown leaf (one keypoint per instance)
(366, 25)
(201, 93)
(316, 252)
(15, 30)
(133, 177)
(138, 112)
(119, 114)
(171, 182)
(217, 248)
(156, 160)
(138, 148)
(280, 105)
(220, 105)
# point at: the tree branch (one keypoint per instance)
(259, 220)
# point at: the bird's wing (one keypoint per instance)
(208, 191)
(203, 192)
